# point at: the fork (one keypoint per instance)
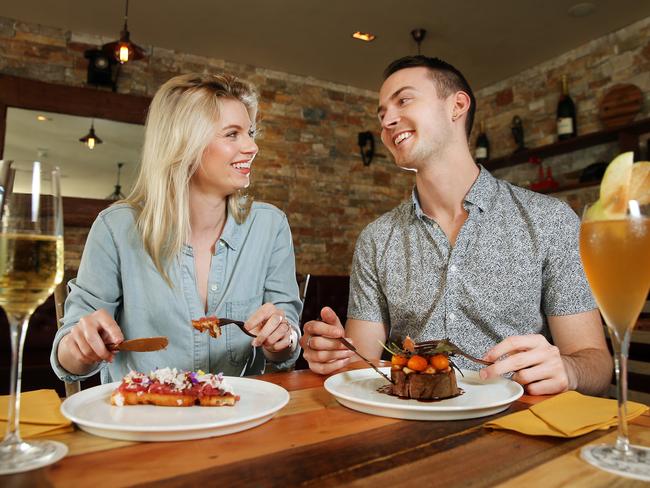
(238, 323)
(455, 349)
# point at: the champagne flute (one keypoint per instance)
(31, 265)
(616, 257)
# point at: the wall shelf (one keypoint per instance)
(627, 137)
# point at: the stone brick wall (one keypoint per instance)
(309, 163)
(620, 57)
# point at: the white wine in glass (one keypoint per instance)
(615, 251)
(31, 265)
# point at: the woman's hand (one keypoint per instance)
(85, 345)
(270, 325)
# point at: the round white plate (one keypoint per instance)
(358, 390)
(92, 411)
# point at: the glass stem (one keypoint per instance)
(18, 331)
(621, 349)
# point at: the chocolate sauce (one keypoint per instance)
(388, 390)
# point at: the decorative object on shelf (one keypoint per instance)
(517, 128)
(91, 139)
(619, 105)
(566, 114)
(102, 68)
(123, 49)
(545, 181)
(117, 193)
(366, 147)
(418, 36)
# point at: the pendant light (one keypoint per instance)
(91, 139)
(124, 50)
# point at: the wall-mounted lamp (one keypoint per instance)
(366, 147)
(124, 50)
(91, 139)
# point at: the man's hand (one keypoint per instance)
(322, 349)
(536, 364)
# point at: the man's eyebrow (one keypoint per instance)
(395, 95)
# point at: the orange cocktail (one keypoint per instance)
(616, 258)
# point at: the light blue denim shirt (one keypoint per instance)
(253, 264)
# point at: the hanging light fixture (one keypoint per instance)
(91, 139)
(124, 50)
(418, 36)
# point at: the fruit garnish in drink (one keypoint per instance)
(623, 180)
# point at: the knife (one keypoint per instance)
(143, 344)
(354, 349)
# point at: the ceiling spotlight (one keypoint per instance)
(364, 36)
(91, 139)
(124, 50)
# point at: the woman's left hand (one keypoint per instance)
(270, 325)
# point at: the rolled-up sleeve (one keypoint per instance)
(280, 286)
(98, 285)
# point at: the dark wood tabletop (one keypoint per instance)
(314, 441)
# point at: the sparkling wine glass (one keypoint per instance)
(31, 265)
(616, 257)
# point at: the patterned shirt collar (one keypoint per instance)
(482, 193)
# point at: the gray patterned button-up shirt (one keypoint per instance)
(515, 262)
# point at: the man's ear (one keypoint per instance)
(462, 103)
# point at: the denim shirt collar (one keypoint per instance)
(231, 236)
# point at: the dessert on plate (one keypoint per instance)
(172, 388)
(423, 371)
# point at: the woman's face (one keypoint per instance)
(226, 163)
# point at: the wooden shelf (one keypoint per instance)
(627, 137)
(572, 186)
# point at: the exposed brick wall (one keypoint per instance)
(620, 57)
(309, 164)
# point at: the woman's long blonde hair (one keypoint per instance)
(180, 125)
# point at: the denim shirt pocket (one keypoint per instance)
(238, 344)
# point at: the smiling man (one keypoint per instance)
(493, 267)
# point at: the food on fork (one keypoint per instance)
(169, 387)
(422, 371)
(211, 324)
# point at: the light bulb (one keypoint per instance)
(124, 53)
(91, 143)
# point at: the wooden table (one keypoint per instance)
(314, 441)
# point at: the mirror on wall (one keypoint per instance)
(86, 173)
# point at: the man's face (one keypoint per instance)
(415, 123)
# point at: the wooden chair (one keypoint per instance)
(60, 294)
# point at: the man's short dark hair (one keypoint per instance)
(446, 78)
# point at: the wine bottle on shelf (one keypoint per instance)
(482, 152)
(566, 114)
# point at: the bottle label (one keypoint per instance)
(564, 126)
(481, 153)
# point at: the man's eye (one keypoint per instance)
(402, 101)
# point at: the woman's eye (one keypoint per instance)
(231, 134)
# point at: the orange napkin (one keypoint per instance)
(40, 414)
(569, 414)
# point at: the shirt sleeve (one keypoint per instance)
(367, 300)
(281, 287)
(98, 285)
(565, 290)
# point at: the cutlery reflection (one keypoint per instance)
(354, 349)
(143, 344)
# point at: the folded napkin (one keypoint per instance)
(569, 414)
(40, 414)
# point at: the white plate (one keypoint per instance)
(92, 411)
(358, 390)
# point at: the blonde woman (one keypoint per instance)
(185, 244)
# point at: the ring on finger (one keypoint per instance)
(309, 342)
